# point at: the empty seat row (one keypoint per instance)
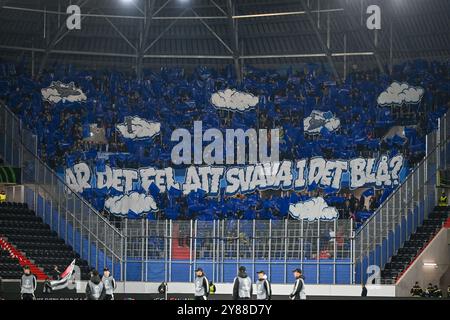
(413, 244)
(421, 236)
(26, 231)
(7, 274)
(31, 238)
(56, 261)
(442, 209)
(19, 224)
(10, 267)
(51, 253)
(39, 245)
(13, 205)
(23, 211)
(24, 218)
(427, 229)
(8, 259)
(407, 250)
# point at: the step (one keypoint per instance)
(408, 250)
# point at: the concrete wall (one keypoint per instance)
(277, 289)
(438, 251)
(183, 291)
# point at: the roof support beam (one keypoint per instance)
(163, 32)
(149, 6)
(58, 37)
(233, 28)
(213, 33)
(155, 17)
(319, 37)
(219, 7)
(371, 45)
(171, 56)
(121, 34)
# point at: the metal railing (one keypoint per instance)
(166, 250)
(89, 233)
(405, 209)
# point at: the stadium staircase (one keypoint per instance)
(29, 239)
(10, 267)
(22, 260)
(407, 220)
(417, 242)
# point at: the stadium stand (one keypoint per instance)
(94, 108)
(34, 239)
(415, 245)
(64, 129)
(10, 267)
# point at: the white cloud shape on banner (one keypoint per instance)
(233, 100)
(313, 209)
(318, 120)
(138, 203)
(140, 129)
(399, 94)
(58, 91)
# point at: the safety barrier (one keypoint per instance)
(405, 209)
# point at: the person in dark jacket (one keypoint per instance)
(430, 291)
(242, 285)
(437, 293)
(55, 273)
(95, 289)
(364, 291)
(299, 292)
(201, 285)
(416, 291)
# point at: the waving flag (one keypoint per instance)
(66, 276)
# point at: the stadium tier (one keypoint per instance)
(109, 139)
(320, 163)
(101, 122)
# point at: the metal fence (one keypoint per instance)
(405, 209)
(324, 249)
(90, 234)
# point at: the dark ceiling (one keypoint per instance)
(111, 33)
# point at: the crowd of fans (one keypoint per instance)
(176, 99)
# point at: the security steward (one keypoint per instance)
(242, 285)
(416, 291)
(95, 289)
(110, 284)
(2, 196)
(201, 289)
(28, 284)
(299, 292)
(263, 289)
(443, 200)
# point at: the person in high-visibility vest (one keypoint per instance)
(443, 200)
(2, 196)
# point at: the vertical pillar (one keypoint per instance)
(318, 253)
(190, 249)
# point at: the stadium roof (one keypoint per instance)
(185, 33)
